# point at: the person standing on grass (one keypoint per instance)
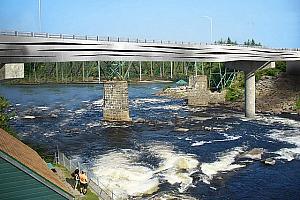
(75, 174)
(83, 182)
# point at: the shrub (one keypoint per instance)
(233, 94)
(4, 117)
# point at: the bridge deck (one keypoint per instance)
(33, 47)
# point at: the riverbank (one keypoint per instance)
(274, 95)
(17, 82)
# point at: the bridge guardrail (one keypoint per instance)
(119, 39)
(102, 191)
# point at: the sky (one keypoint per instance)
(274, 23)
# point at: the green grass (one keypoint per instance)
(90, 195)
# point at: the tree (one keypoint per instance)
(4, 117)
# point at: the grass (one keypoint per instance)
(90, 195)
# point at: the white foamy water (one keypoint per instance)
(121, 172)
(43, 108)
(200, 143)
(80, 111)
(291, 136)
(150, 100)
(98, 103)
(175, 167)
(166, 107)
(224, 163)
(29, 117)
(227, 138)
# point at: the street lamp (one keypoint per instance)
(40, 22)
(211, 27)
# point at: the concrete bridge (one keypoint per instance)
(22, 47)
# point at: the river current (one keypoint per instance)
(171, 151)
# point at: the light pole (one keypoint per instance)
(40, 22)
(211, 27)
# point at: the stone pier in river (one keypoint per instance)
(200, 95)
(115, 106)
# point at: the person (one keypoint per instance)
(75, 174)
(83, 182)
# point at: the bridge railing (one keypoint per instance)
(120, 39)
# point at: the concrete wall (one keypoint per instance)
(12, 71)
(115, 107)
(293, 68)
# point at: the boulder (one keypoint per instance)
(254, 154)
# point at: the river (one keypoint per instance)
(172, 151)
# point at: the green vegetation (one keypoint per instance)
(235, 91)
(252, 43)
(232, 42)
(298, 104)
(280, 67)
(226, 41)
(4, 114)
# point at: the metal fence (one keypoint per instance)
(101, 190)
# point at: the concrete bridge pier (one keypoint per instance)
(249, 94)
(249, 68)
(115, 101)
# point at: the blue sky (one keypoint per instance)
(274, 23)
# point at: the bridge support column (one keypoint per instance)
(249, 94)
(115, 105)
(11, 71)
(198, 96)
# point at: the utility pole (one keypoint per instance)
(40, 13)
